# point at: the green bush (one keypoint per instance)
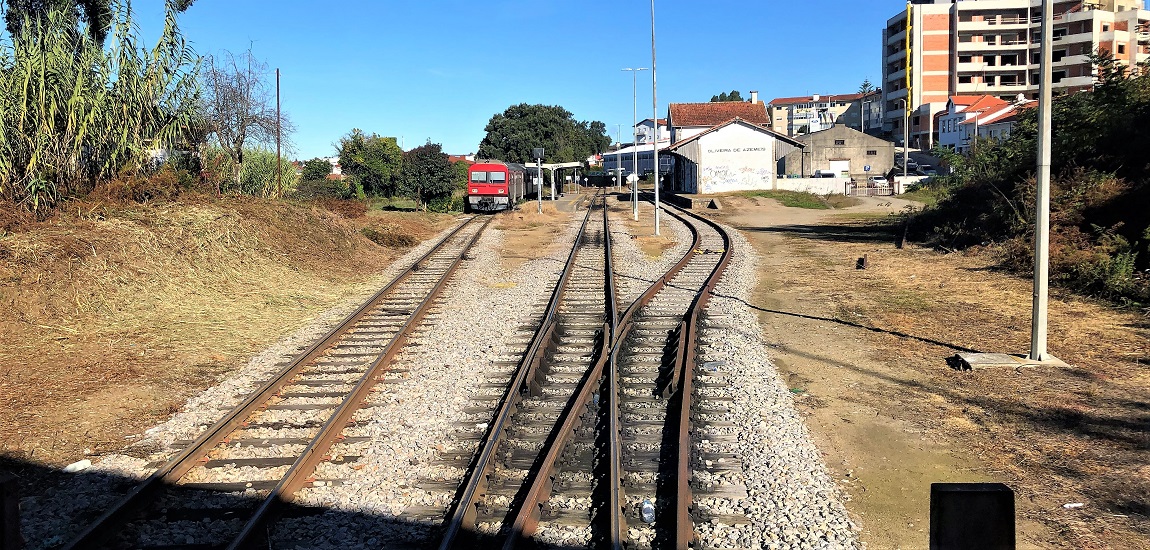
(322, 189)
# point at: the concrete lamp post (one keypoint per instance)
(635, 140)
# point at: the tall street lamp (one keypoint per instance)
(1042, 221)
(635, 140)
(905, 135)
(655, 116)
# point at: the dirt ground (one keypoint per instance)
(865, 353)
(114, 315)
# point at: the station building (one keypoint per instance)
(736, 155)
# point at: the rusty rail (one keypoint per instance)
(111, 522)
(461, 522)
(684, 532)
(297, 476)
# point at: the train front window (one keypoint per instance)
(497, 177)
(479, 177)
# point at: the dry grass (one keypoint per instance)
(1055, 435)
(156, 302)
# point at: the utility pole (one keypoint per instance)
(655, 116)
(905, 135)
(279, 157)
(1042, 223)
(635, 140)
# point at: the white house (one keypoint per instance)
(736, 155)
(984, 116)
(645, 130)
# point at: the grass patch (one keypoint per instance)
(793, 199)
(928, 196)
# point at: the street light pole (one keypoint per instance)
(635, 140)
(655, 116)
(1042, 223)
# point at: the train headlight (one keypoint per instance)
(474, 190)
(502, 190)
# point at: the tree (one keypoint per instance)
(427, 174)
(373, 162)
(866, 87)
(239, 105)
(459, 170)
(96, 15)
(316, 169)
(74, 113)
(724, 97)
(512, 135)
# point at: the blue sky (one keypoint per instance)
(440, 69)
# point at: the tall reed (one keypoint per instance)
(74, 113)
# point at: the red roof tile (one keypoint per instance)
(710, 114)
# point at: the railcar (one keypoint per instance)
(494, 185)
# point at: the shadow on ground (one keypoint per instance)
(56, 506)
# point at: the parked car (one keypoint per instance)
(877, 181)
(825, 174)
(911, 166)
(926, 170)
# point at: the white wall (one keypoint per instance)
(818, 186)
(736, 158)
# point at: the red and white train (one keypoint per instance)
(493, 185)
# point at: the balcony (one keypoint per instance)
(895, 39)
(1075, 82)
(896, 95)
(1072, 60)
(896, 76)
(993, 47)
(897, 56)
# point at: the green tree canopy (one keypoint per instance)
(866, 87)
(373, 162)
(724, 97)
(427, 174)
(316, 169)
(512, 135)
(96, 15)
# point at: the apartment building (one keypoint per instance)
(936, 49)
(793, 116)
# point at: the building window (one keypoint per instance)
(1105, 27)
(1057, 76)
(965, 79)
(990, 60)
(1057, 55)
(1008, 80)
(915, 121)
(964, 59)
(871, 153)
(1122, 48)
(1010, 60)
(840, 142)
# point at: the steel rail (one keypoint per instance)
(463, 517)
(111, 521)
(304, 466)
(616, 528)
(527, 517)
(683, 388)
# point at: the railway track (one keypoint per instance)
(226, 487)
(592, 446)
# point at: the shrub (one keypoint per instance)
(321, 189)
(390, 237)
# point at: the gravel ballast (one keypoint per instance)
(781, 486)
